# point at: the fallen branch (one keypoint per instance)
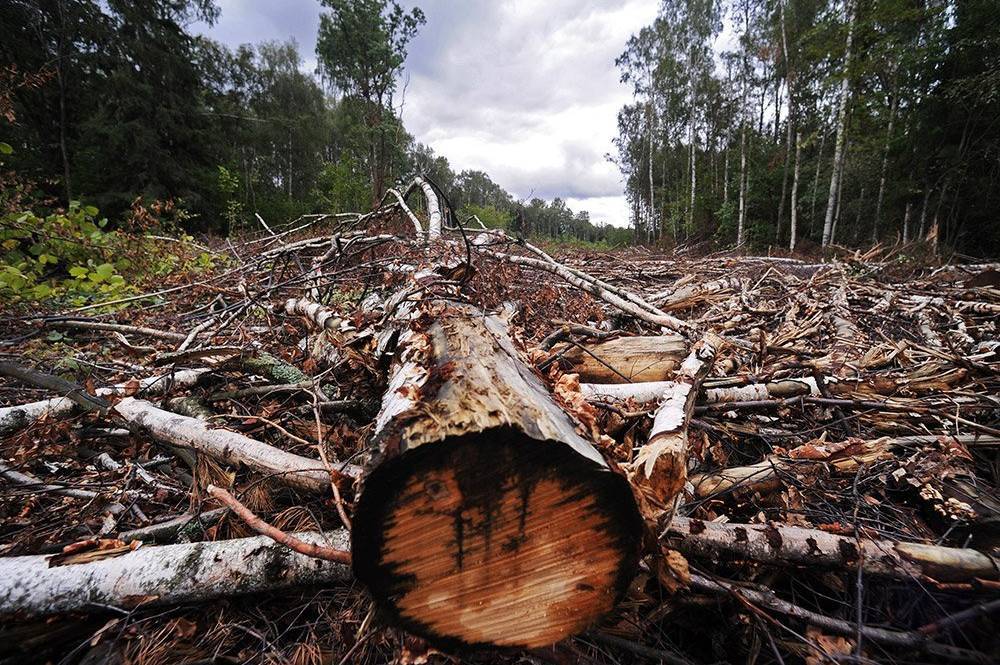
(227, 446)
(277, 535)
(780, 544)
(167, 574)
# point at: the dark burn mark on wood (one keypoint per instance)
(696, 527)
(813, 546)
(848, 550)
(773, 537)
(741, 534)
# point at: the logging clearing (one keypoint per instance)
(459, 441)
(281, 385)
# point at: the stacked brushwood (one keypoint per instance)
(578, 455)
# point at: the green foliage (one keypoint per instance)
(228, 186)
(341, 187)
(73, 257)
(62, 254)
(488, 215)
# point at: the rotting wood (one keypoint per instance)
(489, 519)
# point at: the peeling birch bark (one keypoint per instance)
(162, 575)
(659, 469)
(778, 543)
(487, 518)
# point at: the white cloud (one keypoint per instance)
(525, 90)
(528, 92)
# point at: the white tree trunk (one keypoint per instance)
(227, 446)
(13, 418)
(433, 209)
(165, 574)
(885, 162)
(794, 203)
(838, 150)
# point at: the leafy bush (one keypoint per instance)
(62, 254)
(73, 256)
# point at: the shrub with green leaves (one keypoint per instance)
(66, 255)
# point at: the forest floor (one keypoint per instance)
(857, 400)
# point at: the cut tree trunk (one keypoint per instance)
(659, 469)
(624, 359)
(169, 574)
(487, 518)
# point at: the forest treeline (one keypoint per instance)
(104, 101)
(834, 121)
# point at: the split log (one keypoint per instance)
(487, 519)
(166, 574)
(777, 543)
(624, 359)
(659, 469)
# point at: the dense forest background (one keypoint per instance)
(756, 122)
(830, 121)
(111, 100)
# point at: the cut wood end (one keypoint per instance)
(495, 539)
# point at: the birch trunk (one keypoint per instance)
(774, 543)
(433, 209)
(168, 574)
(885, 156)
(794, 203)
(838, 150)
(486, 518)
(659, 469)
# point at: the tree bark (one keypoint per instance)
(838, 150)
(659, 469)
(168, 574)
(486, 517)
(777, 543)
(885, 154)
(794, 203)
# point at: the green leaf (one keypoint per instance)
(105, 270)
(5, 148)
(78, 271)
(91, 211)
(55, 336)
(42, 291)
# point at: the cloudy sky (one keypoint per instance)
(524, 90)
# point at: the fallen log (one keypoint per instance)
(624, 359)
(227, 446)
(13, 418)
(777, 543)
(166, 574)
(486, 519)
